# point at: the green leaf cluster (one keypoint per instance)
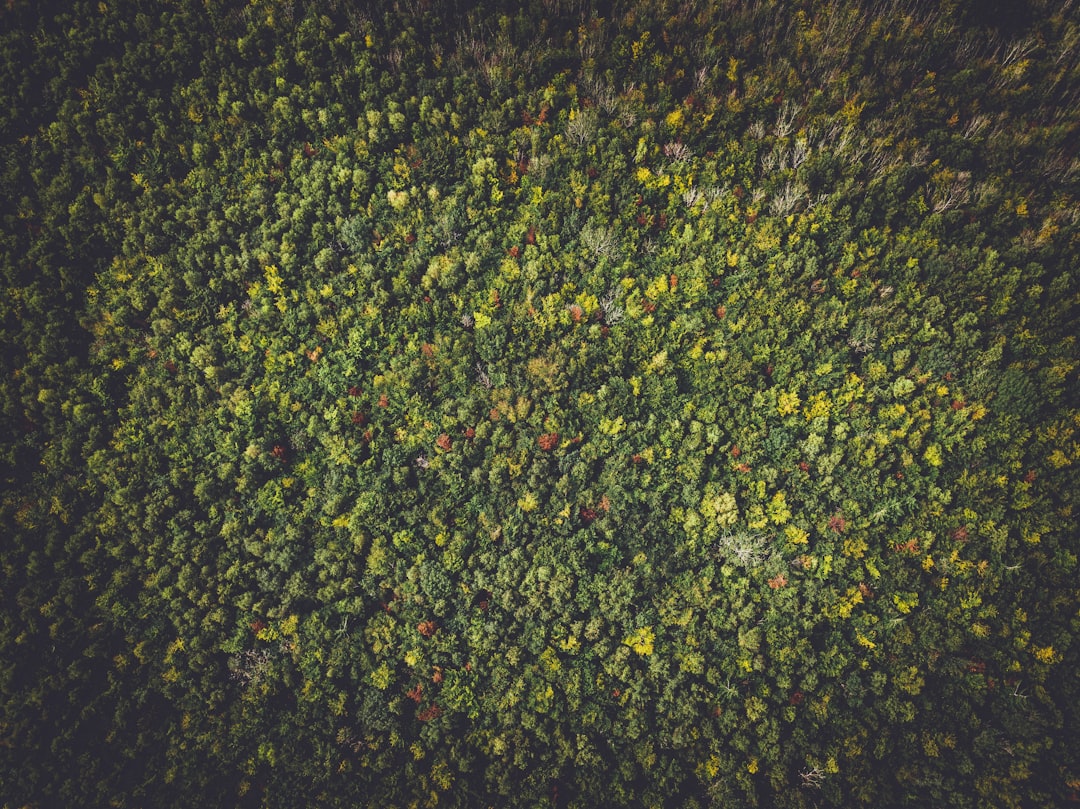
(564, 404)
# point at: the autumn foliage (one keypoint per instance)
(539, 404)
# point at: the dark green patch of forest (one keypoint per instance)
(627, 404)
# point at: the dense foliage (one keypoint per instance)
(662, 404)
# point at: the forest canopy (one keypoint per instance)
(549, 404)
